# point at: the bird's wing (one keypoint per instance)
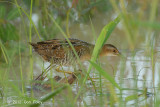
(57, 48)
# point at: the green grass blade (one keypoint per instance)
(30, 18)
(49, 96)
(131, 97)
(4, 52)
(14, 13)
(136, 96)
(65, 36)
(104, 35)
(105, 74)
(2, 11)
(145, 24)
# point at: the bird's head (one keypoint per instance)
(109, 50)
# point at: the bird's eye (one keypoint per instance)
(114, 51)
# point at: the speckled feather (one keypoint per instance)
(59, 51)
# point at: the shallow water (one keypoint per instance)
(133, 73)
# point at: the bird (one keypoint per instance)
(59, 52)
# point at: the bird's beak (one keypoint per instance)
(121, 55)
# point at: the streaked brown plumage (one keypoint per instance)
(59, 52)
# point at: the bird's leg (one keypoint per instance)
(58, 70)
(82, 75)
(43, 73)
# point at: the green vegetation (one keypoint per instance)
(132, 26)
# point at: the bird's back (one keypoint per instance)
(60, 52)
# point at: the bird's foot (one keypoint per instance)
(58, 70)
